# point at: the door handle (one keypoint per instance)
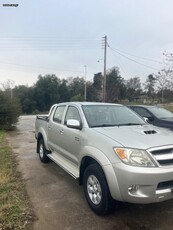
(61, 131)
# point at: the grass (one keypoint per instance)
(15, 209)
(169, 107)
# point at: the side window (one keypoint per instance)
(58, 115)
(72, 113)
(142, 112)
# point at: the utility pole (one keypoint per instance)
(104, 72)
(85, 82)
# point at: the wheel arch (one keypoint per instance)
(86, 161)
(89, 155)
(39, 137)
(42, 135)
(107, 168)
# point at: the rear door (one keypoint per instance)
(55, 128)
(63, 140)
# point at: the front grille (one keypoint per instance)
(163, 156)
(165, 185)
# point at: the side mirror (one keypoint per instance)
(146, 119)
(74, 124)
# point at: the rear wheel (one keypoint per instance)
(42, 151)
(96, 190)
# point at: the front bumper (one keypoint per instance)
(143, 185)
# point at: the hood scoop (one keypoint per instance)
(150, 132)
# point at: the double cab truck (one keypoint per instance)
(110, 150)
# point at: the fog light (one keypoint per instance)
(133, 188)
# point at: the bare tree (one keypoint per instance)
(9, 84)
(162, 83)
(8, 87)
(150, 86)
(164, 78)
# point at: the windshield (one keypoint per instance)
(160, 112)
(110, 115)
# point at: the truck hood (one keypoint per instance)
(140, 136)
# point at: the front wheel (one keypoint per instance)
(96, 190)
(42, 151)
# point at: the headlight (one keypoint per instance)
(134, 157)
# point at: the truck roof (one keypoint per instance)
(86, 103)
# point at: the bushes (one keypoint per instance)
(9, 111)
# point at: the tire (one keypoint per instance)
(42, 151)
(96, 190)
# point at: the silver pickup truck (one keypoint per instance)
(112, 151)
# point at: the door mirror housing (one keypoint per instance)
(146, 119)
(74, 124)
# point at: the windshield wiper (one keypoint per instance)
(103, 125)
(129, 124)
(111, 125)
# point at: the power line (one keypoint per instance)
(47, 42)
(122, 68)
(42, 68)
(144, 58)
(139, 63)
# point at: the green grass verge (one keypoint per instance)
(169, 107)
(15, 209)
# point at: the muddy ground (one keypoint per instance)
(58, 201)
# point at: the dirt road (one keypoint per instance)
(59, 202)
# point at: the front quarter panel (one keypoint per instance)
(106, 165)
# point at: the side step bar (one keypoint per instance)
(64, 163)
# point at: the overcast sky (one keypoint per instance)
(60, 37)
